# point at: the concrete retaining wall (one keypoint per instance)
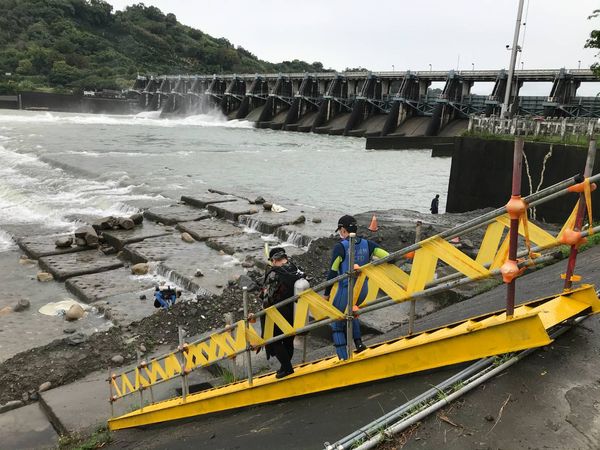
(482, 170)
(74, 103)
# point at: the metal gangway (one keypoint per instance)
(511, 245)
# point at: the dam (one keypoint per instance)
(364, 104)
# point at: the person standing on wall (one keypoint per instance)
(364, 250)
(435, 203)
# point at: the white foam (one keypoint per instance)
(6, 242)
(152, 118)
(32, 191)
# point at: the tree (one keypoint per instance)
(594, 41)
(63, 74)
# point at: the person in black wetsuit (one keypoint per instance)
(278, 285)
(435, 203)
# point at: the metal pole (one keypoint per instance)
(413, 302)
(110, 393)
(246, 325)
(139, 381)
(514, 222)
(589, 166)
(349, 312)
(184, 390)
(513, 61)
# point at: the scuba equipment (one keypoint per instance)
(165, 296)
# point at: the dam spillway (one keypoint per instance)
(399, 103)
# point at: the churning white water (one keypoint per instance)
(55, 167)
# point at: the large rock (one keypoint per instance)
(137, 218)
(75, 312)
(139, 269)
(246, 282)
(117, 359)
(21, 305)
(44, 276)
(105, 223)
(44, 386)
(187, 238)
(64, 242)
(126, 223)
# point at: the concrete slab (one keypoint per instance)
(245, 243)
(22, 331)
(38, 246)
(210, 228)
(268, 221)
(170, 215)
(206, 198)
(80, 263)
(27, 428)
(120, 238)
(217, 269)
(127, 307)
(83, 406)
(232, 210)
(156, 249)
(97, 286)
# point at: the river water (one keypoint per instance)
(57, 165)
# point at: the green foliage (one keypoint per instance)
(83, 44)
(594, 41)
(76, 441)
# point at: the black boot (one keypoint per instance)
(358, 343)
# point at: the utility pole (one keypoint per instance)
(513, 61)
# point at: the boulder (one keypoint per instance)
(64, 242)
(186, 237)
(139, 269)
(299, 220)
(198, 273)
(21, 305)
(77, 338)
(267, 206)
(88, 234)
(317, 220)
(44, 386)
(126, 223)
(75, 312)
(105, 223)
(137, 218)
(259, 200)
(246, 282)
(23, 260)
(44, 276)
(117, 359)
(80, 242)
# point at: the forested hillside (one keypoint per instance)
(71, 45)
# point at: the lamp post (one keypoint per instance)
(579, 64)
(513, 61)
(393, 68)
(430, 67)
(473, 67)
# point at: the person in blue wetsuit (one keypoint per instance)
(364, 250)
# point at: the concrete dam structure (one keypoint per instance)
(363, 103)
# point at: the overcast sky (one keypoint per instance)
(394, 34)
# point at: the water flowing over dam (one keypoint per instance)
(399, 103)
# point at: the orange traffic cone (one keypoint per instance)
(373, 226)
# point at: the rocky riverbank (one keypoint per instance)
(209, 245)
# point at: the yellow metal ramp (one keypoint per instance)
(471, 339)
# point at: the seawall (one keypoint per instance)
(481, 174)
